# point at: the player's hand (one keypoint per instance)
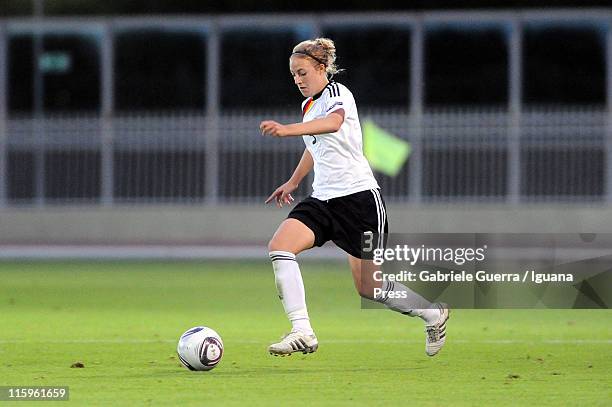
(282, 195)
(272, 128)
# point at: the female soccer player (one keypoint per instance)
(345, 202)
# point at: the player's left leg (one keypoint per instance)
(400, 298)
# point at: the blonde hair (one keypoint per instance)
(322, 50)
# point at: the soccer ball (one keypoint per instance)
(200, 348)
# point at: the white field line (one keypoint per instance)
(153, 252)
(248, 252)
(330, 341)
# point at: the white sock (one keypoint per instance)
(411, 304)
(291, 290)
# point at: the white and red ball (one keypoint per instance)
(200, 348)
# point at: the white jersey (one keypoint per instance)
(340, 168)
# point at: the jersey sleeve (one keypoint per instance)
(336, 97)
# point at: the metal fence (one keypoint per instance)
(515, 154)
(469, 155)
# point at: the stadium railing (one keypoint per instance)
(187, 157)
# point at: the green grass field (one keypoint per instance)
(122, 320)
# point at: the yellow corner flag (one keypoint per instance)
(385, 152)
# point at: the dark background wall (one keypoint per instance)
(465, 65)
(69, 7)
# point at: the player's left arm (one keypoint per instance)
(328, 124)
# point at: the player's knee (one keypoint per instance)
(276, 244)
(365, 290)
(273, 245)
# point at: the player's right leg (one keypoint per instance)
(291, 238)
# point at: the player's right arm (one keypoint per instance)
(283, 193)
(328, 124)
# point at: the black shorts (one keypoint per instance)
(344, 220)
